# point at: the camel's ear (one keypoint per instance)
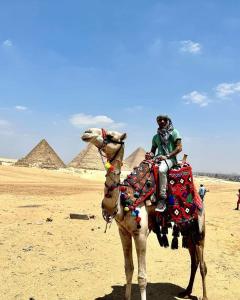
(123, 136)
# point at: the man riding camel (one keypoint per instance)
(168, 144)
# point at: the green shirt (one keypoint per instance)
(174, 136)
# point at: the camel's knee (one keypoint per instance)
(129, 272)
(129, 269)
(142, 282)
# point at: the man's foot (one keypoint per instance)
(161, 206)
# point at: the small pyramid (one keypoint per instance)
(42, 156)
(136, 157)
(89, 158)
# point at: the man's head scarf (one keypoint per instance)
(165, 132)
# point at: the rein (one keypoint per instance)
(108, 217)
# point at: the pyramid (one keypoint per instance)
(136, 157)
(89, 158)
(42, 156)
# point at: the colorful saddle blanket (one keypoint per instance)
(183, 202)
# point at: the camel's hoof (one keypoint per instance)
(185, 295)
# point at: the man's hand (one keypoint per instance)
(160, 158)
(149, 155)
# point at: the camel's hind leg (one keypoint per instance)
(194, 265)
(126, 240)
(196, 253)
(203, 268)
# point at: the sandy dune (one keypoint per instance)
(75, 260)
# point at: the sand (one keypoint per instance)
(75, 260)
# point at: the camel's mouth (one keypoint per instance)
(86, 138)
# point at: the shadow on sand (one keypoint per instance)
(155, 291)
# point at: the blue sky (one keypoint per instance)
(69, 65)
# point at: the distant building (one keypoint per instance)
(7, 161)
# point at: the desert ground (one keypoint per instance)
(45, 255)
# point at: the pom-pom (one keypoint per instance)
(133, 214)
(123, 188)
(111, 168)
(138, 219)
(122, 196)
(138, 226)
(126, 208)
(107, 165)
(149, 183)
(136, 195)
(136, 212)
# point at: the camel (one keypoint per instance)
(111, 144)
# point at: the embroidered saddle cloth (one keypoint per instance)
(183, 202)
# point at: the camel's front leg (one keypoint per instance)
(126, 240)
(141, 242)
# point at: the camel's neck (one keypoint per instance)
(111, 191)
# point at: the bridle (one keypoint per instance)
(107, 139)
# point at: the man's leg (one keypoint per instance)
(163, 169)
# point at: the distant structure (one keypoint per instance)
(230, 177)
(135, 158)
(7, 161)
(89, 158)
(42, 156)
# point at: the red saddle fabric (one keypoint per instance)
(183, 199)
(183, 203)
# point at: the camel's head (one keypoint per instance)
(108, 141)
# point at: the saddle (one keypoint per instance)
(183, 202)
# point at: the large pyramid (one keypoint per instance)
(136, 157)
(42, 156)
(89, 158)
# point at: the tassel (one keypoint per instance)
(160, 240)
(164, 230)
(176, 231)
(185, 241)
(169, 225)
(174, 244)
(165, 241)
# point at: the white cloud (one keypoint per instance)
(190, 47)
(196, 98)
(7, 43)
(225, 89)
(20, 107)
(83, 120)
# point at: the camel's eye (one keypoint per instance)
(109, 137)
(88, 131)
